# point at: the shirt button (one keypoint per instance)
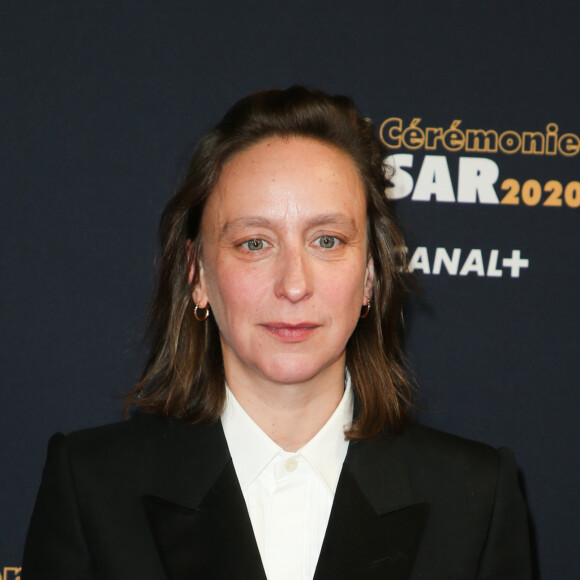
(291, 464)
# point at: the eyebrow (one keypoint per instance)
(259, 221)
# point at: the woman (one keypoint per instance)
(276, 441)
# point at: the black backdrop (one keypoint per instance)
(101, 102)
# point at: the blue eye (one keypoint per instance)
(254, 244)
(326, 241)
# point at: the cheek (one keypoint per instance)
(237, 291)
(343, 295)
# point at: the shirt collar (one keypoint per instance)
(252, 450)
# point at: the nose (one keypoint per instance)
(294, 282)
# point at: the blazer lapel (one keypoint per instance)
(375, 529)
(198, 515)
(201, 527)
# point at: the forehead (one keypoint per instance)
(287, 179)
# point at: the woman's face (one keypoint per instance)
(284, 262)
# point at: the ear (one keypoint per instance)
(196, 276)
(369, 280)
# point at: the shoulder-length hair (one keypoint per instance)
(184, 374)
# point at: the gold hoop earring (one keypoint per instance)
(205, 315)
(365, 309)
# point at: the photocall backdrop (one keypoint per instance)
(478, 103)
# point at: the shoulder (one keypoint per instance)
(433, 454)
(135, 428)
(140, 444)
(129, 436)
(433, 447)
(475, 501)
(430, 446)
(435, 462)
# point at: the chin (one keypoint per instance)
(292, 370)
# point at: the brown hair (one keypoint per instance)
(184, 375)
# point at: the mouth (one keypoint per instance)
(288, 332)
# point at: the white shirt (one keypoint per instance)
(288, 495)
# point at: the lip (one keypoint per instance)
(291, 332)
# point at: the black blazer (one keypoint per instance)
(154, 499)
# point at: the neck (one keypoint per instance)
(290, 414)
